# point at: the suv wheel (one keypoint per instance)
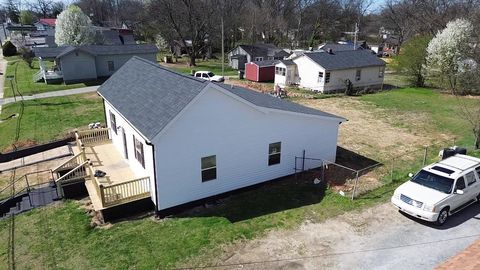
(442, 217)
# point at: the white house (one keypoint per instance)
(330, 71)
(196, 139)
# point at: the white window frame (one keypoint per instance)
(281, 71)
(320, 76)
(274, 153)
(139, 151)
(208, 168)
(113, 122)
(260, 58)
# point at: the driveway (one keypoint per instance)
(376, 238)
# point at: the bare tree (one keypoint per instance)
(42, 7)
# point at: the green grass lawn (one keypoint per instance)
(24, 78)
(213, 65)
(443, 111)
(46, 119)
(61, 238)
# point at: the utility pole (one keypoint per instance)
(223, 38)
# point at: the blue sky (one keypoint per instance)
(376, 4)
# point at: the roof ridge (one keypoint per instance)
(167, 69)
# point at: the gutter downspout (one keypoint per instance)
(154, 179)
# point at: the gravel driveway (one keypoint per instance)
(376, 238)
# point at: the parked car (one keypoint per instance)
(440, 189)
(208, 75)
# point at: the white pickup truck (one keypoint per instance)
(440, 189)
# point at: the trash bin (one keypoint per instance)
(240, 74)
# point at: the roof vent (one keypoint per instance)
(330, 51)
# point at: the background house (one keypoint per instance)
(195, 139)
(45, 24)
(89, 62)
(337, 47)
(331, 71)
(242, 54)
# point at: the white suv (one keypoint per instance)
(209, 76)
(440, 189)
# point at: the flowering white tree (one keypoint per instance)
(449, 49)
(73, 27)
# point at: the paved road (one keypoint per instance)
(376, 238)
(60, 93)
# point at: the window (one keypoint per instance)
(113, 122)
(470, 178)
(460, 184)
(358, 75)
(381, 72)
(478, 171)
(320, 76)
(111, 66)
(205, 75)
(209, 168)
(258, 59)
(271, 58)
(198, 75)
(327, 77)
(138, 146)
(274, 150)
(280, 71)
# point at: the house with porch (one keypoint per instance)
(74, 64)
(332, 71)
(183, 140)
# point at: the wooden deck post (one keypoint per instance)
(102, 194)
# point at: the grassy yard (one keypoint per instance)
(213, 65)
(439, 112)
(50, 118)
(24, 78)
(60, 237)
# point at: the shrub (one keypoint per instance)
(9, 49)
(27, 56)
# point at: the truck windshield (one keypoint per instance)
(433, 181)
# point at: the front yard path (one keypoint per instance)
(61, 93)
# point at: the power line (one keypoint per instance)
(300, 258)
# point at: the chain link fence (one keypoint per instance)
(353, 175)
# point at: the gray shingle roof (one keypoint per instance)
(150, 96)
(345, 59)
(267, 101)
(96, 50)
(287, 62)
(340, 47)
(266, 63)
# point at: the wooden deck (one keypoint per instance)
(95, 151)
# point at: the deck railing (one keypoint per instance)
(92, 136)
(77, 173)
(125, 192)
(72, 162)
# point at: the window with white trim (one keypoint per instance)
(258, 59)
(358, 75)
(138, 148)
(327, 77)
(113, 122)
(320, 76)
(274, 153)
(280, 71)
(209, 168)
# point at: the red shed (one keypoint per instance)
(260, 71)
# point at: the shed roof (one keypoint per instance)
(150, 96)
(265, 63)
(47, 21)
(345, 59)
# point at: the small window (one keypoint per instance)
(274, 150)
(139, 151)
(258, 59)
(381, 72)
(209, 168)
(113, 122)
(198, 75)
(460, 184)
(470, 178)
(280, 71)
(327, 77)
(320, 76)
(358, 75)
(204, 75)
(111, 66)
